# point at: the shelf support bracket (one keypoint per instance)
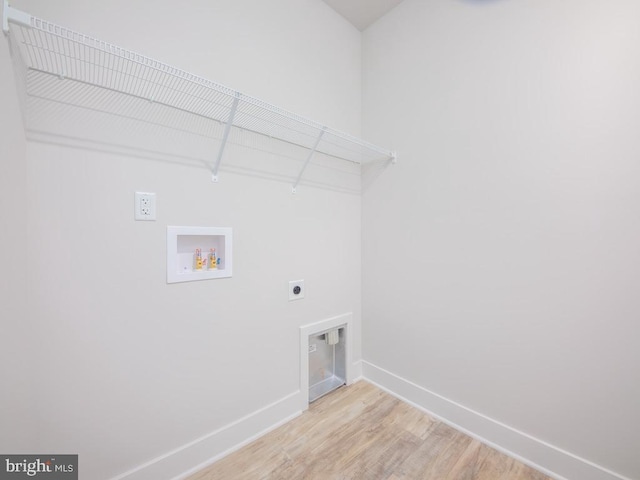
(313, 150)
(5, 16)
(225, 136)
(15, 15)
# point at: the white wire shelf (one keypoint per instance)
(73, 68)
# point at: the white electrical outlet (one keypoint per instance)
(145, 206)
(296, 290)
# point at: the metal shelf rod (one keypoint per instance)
(304, 167)
(225, 137)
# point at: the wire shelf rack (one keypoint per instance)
(87, 71)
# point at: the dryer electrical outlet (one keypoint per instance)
(296, 290)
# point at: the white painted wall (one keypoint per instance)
(500, 256)
(16, 374)
(130, 368)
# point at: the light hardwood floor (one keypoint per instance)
(361, 432)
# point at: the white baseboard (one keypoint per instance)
(550, 460)
(198, 454)
(357, 372)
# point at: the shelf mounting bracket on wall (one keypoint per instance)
(313, 150)
(16, 16)
(225, 137)
(5, 16)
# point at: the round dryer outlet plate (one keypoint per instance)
(296, 290)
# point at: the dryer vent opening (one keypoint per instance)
(327, 361)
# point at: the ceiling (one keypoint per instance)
(362, 13)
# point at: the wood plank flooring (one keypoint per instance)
(360, 432)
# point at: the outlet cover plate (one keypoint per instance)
(292, 289)
(145, 206)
